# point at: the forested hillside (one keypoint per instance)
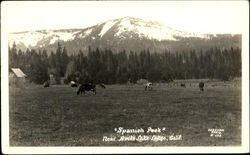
(106, 66)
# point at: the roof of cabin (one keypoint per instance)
(18, 72)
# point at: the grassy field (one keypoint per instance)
(55, 116)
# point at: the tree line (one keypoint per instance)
(105, 66)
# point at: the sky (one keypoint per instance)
(190, 16)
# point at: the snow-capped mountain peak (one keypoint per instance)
(127, 33)
(122, 27)
(151, 29)
(130, 26)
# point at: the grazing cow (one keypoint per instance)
(148, 86)
(46, 84)
(183, 85)
(88, 87)
(201, 86)
(73, 84)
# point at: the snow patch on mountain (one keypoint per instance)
(124, 25)
(85, 34)
(156, 32)
(88, 32)
(28, 39)
(148, 29)
(151, 30)
(106, 27)
(65, 36)
(53, 40)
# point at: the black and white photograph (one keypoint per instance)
(124, 77)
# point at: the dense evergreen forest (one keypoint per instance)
(105, 66)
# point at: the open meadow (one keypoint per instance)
(55, 116)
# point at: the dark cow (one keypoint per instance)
(46, 84)
(201, 86)
(183, 85)
(88, 87)
(73, 85)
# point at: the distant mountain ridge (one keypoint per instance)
(127, 33)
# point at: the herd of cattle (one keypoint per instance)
(92, 87)
(149, 86)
